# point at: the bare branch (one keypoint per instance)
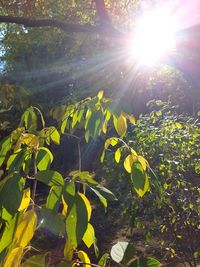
(67, 27)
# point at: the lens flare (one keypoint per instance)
(154, 37)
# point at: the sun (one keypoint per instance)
(154, 37)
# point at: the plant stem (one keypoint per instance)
(34, 183)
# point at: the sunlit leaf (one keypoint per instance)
(84, 176)
(143, 162)
(100, 94)
(54, 198)
(104, 259)
(54, 135)
(25, 200)
(7, 235)
(14, 257)
(120, 124)
(68, 251)
(128, 162)
(5, 146)
(25, 229)
(89, 236)
(69, 194)
(77, 221)
(87, 204)
(15, 161)
(84, 258)
(101, 198)
(44, 158)
(139, 179)
(118, 155)
(29, 119)
(118, 251)
(30, 140)
(65, 207)
(131, 119)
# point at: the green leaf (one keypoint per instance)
(52, 221)
(29, 119)
(139, 179)
(11, 193)
(54, 135)
(44, 158)
(34, 261)
(64, 264)
(69, 194)
(104, 260)
(7, 235)
(16, 160)
(145, 262)
(95, 123)
(101, 198)
(77, 117)
(49, 177)
(105, 192)
(84, 176)
(68, 113)
(5, 146)
(54, 198)
(77, 221)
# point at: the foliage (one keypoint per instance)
(26, 157)
(170, 141)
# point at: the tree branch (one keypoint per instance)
(102, 12)
(67, 27)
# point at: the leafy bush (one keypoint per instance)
(170, 211)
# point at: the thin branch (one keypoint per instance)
(34, 184)
(67, 27)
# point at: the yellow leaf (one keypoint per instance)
(143, 162)
(87, 117)
(87, 204)
(84, 258)
(100, 94)
(89, 236)
(104, 127)
(14, 257)
(133, 152)
(65, 207)
(25, 228)
(30, 140)
(118, 155)
(102, 156)
(128, 162)
(18, 144)
(68, 251)
(131, 119)
(25, 199)
(121, 125)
